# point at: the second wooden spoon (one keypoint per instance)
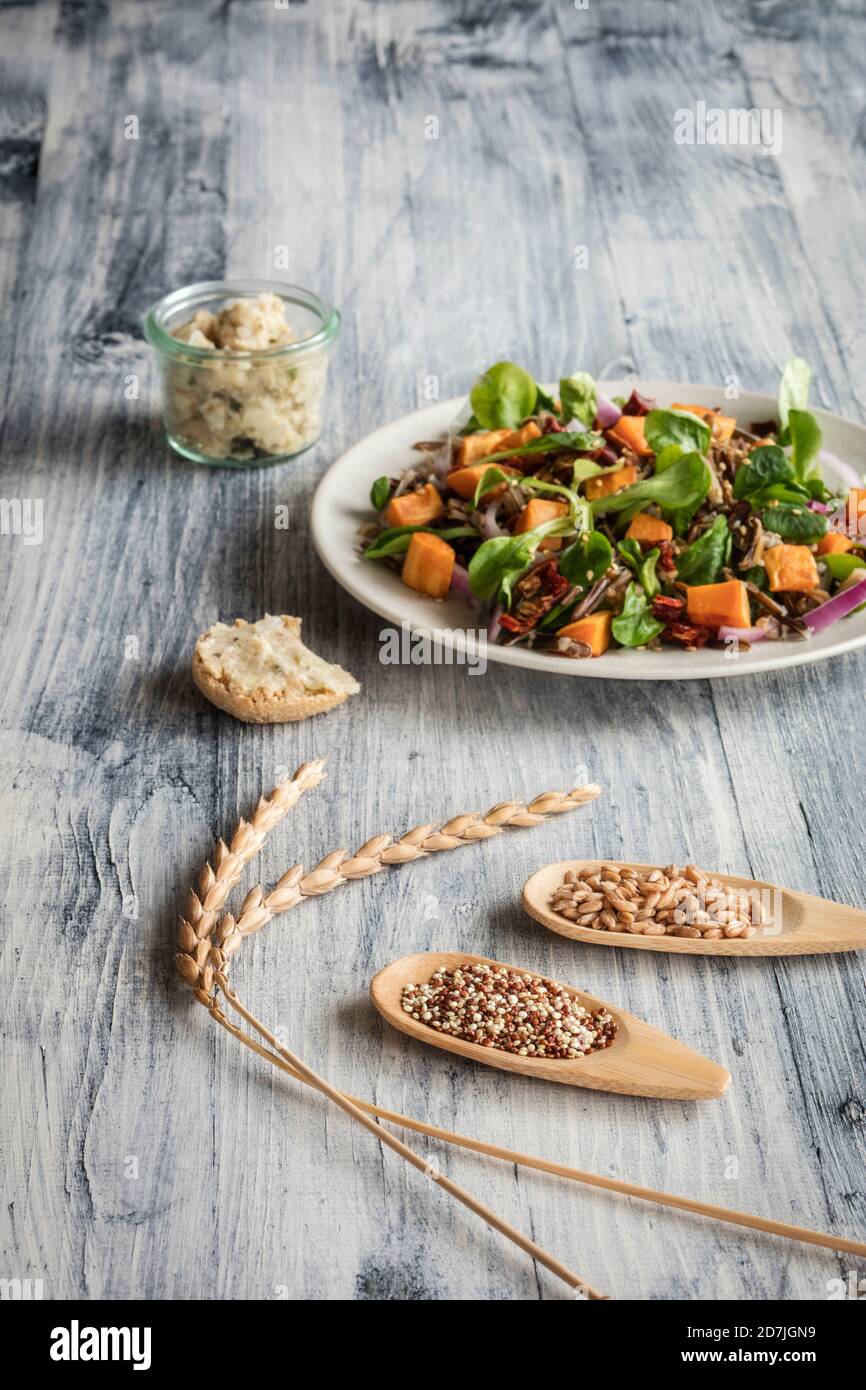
(801, 924)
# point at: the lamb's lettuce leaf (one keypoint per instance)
(703, 561)
(665, 427)
(503, 396)
(805, 437)
(579, 397)
(395, 541)
(793, 389)
(635, 625)
(586, 560)
(549, 444)
(678, 490)
(643, 566)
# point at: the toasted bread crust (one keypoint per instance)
(293, 702)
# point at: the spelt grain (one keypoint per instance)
(655, 902)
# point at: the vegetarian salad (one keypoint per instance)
(579, 523)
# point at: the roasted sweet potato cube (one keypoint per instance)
(536, 512)
(791, 569)
(464, 481)
(594, 630)
(525, 435)
(628, 432)
(606, 483)
(478, 446)
(834, 543)
(415, 508)
(649, 528)
(719, 605)
(429, 565)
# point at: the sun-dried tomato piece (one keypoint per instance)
(638, 404)
(510, 624)
(667, 559)
(534, 595)
(667, 610)
(686, 634)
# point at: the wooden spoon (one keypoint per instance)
(640, 1061)
(801, 924)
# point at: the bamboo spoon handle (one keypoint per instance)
(543, 1165)
(306, 1073)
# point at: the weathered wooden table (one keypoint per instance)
(144, 1153)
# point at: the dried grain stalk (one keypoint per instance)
(207, 940)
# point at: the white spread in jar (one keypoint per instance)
(244, 408)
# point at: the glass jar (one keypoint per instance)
(257, 399)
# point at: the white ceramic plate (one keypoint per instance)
(342, 504)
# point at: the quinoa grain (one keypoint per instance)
(508, 1010)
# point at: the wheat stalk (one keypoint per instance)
(194, 961)
(207, 940)
(198, 966)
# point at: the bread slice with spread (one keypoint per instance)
(263, 674)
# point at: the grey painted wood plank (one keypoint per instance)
(305, 128)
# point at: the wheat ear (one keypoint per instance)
(377, 854)
(202, 961)
(193, 960)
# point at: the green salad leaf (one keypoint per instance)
(491, 478)
(543, 401)
(805, 437)
(395, 540)
(793, 388)
(635, 625)
(579, 397)
(586, 560)
(779, 492)
(549, 444)
(665, 427)
(818, 491)
(668, 455)
(578, 507)
(588, 468)
(703, 560)
(498, 563)
(680, 488)
(841, 564)
(380, 492)
(765, 466)
(503, 396)
(794, 522)
(643, 566)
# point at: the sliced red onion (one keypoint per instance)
(839, 606)
(442, 460)
(460, 585)
(494, 627)
(606, 413)
(848, 474)
(820, 507)
(490, 526)
(743, 634)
